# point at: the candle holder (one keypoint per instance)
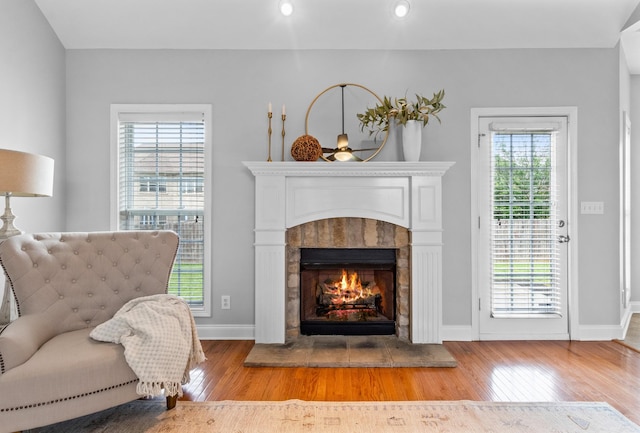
(284, 118)
(269, 130)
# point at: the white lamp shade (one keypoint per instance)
(25, 174)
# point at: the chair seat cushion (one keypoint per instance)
(67, 367)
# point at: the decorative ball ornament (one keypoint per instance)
(306, 148)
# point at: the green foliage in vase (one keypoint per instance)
(377, 119)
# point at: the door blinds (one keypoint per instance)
(524, 249)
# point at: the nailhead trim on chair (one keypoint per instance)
(2, 367)
(10, 409)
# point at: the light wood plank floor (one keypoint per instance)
(487, 371)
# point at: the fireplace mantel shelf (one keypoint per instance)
(322, 168)
(408, 194)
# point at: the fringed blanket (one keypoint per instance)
(160, 342)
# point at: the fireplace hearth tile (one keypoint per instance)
(420, 355)
(324, 342)
(369, 352)
(284, 355)
(327, 350)
(349, 351)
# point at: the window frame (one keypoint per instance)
(159, 109)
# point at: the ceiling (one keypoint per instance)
(343, 24)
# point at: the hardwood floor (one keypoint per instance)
(487, 371)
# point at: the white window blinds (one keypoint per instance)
(161, 181)
(524, 249)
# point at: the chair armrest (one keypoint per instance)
(22, 338)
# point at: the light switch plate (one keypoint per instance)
(592, 207)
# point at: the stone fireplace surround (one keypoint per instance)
(290, 194)
(348, 233)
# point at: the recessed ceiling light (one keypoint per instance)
(286, 7)
(401, 9)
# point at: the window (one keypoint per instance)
(193, 186)
(159, 178)
(152, 221)
(152, 185)
(524, 256)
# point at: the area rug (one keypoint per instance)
(295, 416)
(349, 351)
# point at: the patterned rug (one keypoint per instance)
(295, 416)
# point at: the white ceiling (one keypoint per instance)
(346, 24)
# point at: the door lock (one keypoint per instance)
(563, 239)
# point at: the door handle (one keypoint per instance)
(563, 239)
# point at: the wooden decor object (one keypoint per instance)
(306, 148)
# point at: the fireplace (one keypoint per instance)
(347, 291)
(351, 244)
(290, 195)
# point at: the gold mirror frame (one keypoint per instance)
(306, 119)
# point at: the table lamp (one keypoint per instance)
(21, 175)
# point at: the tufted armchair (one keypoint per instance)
(65, 284)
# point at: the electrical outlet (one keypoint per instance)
(225, 302)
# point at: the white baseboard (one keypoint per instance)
(226, 332)
(585, 333)
(600, 332)
(448, 333)
(247, 332)
(457, 333)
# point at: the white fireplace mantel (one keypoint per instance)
(408, 194)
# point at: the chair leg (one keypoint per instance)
(171, 401)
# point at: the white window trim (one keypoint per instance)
(116, 109)
(573, 206)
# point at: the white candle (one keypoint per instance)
(270, 110)
(283, 112)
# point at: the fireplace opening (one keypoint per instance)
(347, 291)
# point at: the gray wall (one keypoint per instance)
(61, 109)
(239, 84)
(32, 105)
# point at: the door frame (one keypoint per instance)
(571, 113)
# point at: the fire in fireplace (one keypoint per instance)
(347, 291)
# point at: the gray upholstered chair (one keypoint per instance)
(65, 284)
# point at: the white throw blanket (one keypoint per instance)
(160, 342)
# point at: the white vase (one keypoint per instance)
(412, 140)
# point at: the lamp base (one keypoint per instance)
(8, 229)
(6, 307)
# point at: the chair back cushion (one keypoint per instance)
(79, 280)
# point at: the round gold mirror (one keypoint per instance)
(332, 119)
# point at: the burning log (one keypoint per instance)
(330, 296)
(348, 295)
(358, 315)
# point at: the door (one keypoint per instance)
(523, 228)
